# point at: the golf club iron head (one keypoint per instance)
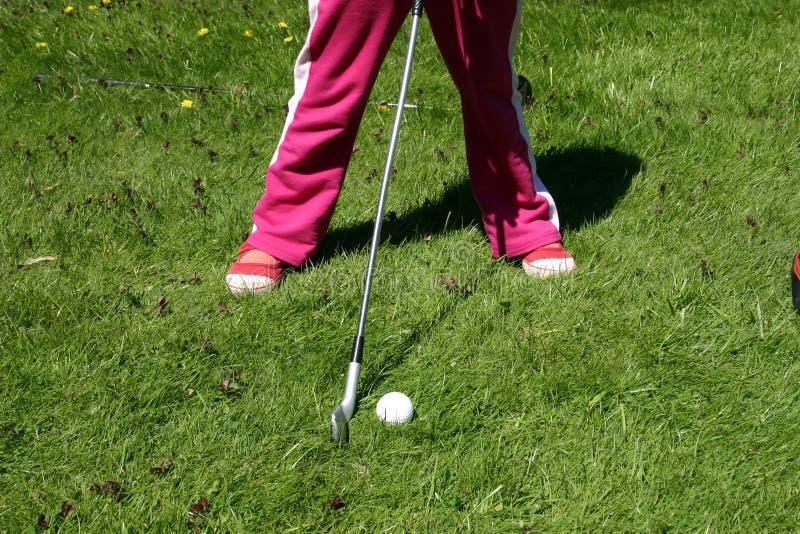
(340, 429)
(340, 418)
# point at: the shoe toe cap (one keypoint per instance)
(544, 267)
(248, 283)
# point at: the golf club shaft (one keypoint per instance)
(133, 83)
(358, 344)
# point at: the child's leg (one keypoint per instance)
(477, 39)
(333, 76)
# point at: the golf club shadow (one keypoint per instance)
(586, 183)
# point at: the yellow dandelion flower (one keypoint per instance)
(202, 31)
(282, 25)
(248, 33)
(106, 2)
(41, 44)
(288, 39)
(91, 7)
(69, 9)
(187, 104)
(382, 107)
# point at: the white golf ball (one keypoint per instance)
(394, 408)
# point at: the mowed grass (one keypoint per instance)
(654, 390)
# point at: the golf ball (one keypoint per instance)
(394, 408)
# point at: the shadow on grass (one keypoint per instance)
(586, 183)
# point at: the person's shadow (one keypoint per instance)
(585, 182)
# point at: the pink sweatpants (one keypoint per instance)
(334, 74)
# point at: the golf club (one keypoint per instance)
(340, 417)
(132, 83)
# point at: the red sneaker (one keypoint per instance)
(549, 260)
(796, 282)
(254, 271)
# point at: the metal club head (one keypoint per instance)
(340, 431)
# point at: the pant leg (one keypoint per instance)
(333, 77)
(477, 39)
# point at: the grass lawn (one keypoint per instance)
(654, 390)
